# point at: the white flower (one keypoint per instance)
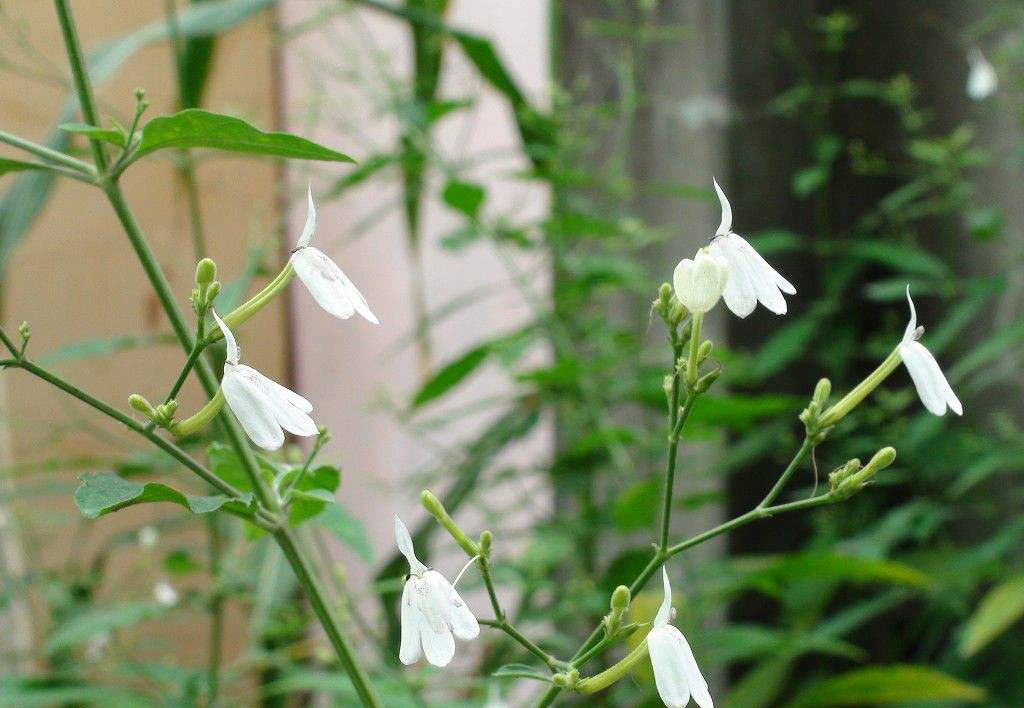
(932, 387)
(751, 279)
(148, 537)
(675, 670)
(165, 594)
(699, 283)
(432, 610)
(263, 407)
(326, 282)
(982, 80)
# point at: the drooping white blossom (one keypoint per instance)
(751, 279)
(932, 386)
(433, 614)
(165, 594)
(676, 674)
(982, 80)
(326, 282)
(699, 283)
(262, 406)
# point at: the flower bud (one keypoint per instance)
(206, 272)
(856, 481)
(485, 544)
(840, 474)
(821, 393)
(665, 294)
(25, 330)
(437, 510)
(620, 598)
(705, 381)
(704, 350)
(140, 404)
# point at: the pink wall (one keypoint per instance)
(347, 369)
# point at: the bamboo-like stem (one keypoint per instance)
(81, 79)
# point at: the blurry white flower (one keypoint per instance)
(494, 699)
(675, 670)
(699, 283)
(982, 80)
(932, 386)
(262, 407)
(431, 610)
(704, 110)
(148, 537)
(96, 645)
(751, 279)
(165, 594)
(326, 282)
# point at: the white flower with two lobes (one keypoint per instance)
(264, 408)
(932, 387)
(433, 614)
(326, 282)
(676, 673)
(751, 279)
(699, 283)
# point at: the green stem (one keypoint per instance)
(254, 304)
(216, 648)
(286, 539)
(848, 402)
(673, 442)
(786, 474)
(201, 418)
(76, 168)
(81, 78)
(691, 362)
(601, 681)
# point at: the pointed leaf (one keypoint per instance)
(1000, 608)
(107, 135)
(884, 685)
(450, 375)
(194, 128)
(103, 493)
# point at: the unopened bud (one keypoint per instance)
(206, 272)
(704, 350)
(140, 93)
(485, 544)
(437, 510)
(172, 407)
(25, 330)
(665, 293)
(213, 291)
(840, 474)
(140, 404)
(856, 481)
(821, 392)
(620, 598)
(705, 381)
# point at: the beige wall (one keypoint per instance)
(75, 276)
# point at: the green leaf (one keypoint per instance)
(18, 166)
(347, 529)
(46, 695)
(901, 256)
(103, 346)
(103, 493)
(451, 375)
(194, 128)
(313, 493)
(225, 464)
(107, 135)
(521, 671)
(96, 620)
(636, 506)
(838, 567)
(887, 684)
(1001, 607)
(464, 197)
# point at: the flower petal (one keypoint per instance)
(435, 633)
(908, 333)
(329, 286)
(254, 411)
(739, 293)
(460, 619)
(669, 671)
(290, 416)
(310, 227)
(229, 339)
(665, 611)
(404, 542)
(932, 387)
(726, 224)
(410, 649)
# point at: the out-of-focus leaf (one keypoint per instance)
(348, 529)
(366, 169)
(637, 505)
(7, 165)
(43, 695)
(835, 567)
(760, 686)
(107, 135)
(739, 411)
(97, 620)
(884, 685)
(196, 61)
(451, 374)
(195, 128)
(1001, 607)
(313, 493)
(103, 346)
(901, 256)
(103, 493)
(464, 197)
